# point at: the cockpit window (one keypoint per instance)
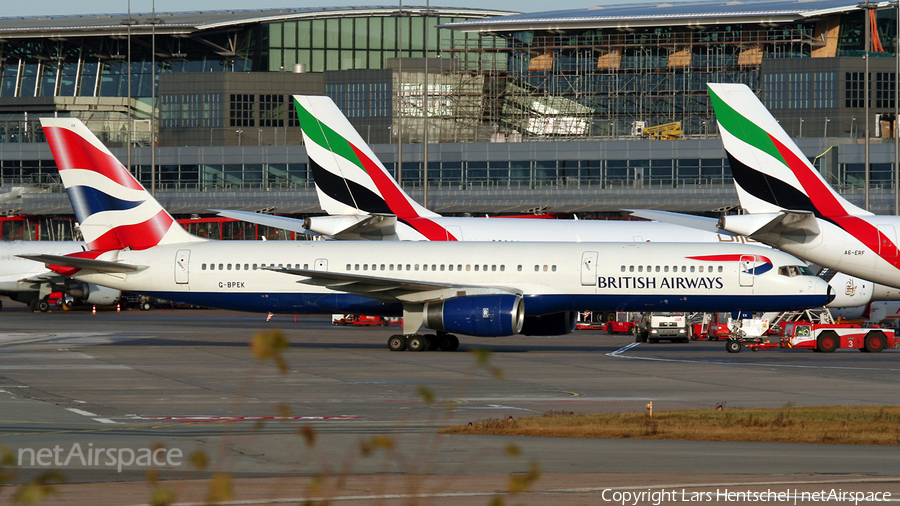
(794, 270)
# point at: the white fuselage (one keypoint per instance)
(552, 277)
(553, 230)
(20, 278)
(837, 249)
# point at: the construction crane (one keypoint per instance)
(666, 131)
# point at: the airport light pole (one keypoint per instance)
(897, 113)
(399, 174)
(425, 114)
(868, 36)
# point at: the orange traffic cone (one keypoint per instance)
(94, 311)
(269, 316)
(118, 308)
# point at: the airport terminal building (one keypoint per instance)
(585, 111)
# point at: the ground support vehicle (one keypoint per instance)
(712, 326)
(755, 344)
(622, 322)
(663, 326)
(350, 319)
(827, 337)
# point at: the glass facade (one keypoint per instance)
(98, 66)
(363, 42)
(803, 90)
(449, 174)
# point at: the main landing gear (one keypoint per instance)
(428, 342)
(39, 305)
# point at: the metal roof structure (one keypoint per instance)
(663, 14)
(195, 21)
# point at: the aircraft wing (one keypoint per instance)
(84, 263)
(349, 227)
(684, 220)
(389, 289)
(282, 222)
(44, 277)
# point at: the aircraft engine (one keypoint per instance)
(477, 315)
(95, 294)
(557, 324)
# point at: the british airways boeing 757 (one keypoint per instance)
(474, 288)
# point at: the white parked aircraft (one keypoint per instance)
(364, 202)
(790, 205)
(29, 283)
(485, 289)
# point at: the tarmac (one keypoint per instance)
(351, 422)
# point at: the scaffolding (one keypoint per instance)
(602, 83)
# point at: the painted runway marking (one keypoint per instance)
(104, 420)
(82, 412)
(62, 367)
(623, 349)
(53, 355)
(190, 419)
(618, 354)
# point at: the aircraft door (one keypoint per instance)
(746, 270)
(321, 264)
(182, 266)
(887, 246)
(589, 268)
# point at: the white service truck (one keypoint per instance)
(663, 326)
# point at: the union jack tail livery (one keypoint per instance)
(114, 210)
(349, 177)
(770, 172)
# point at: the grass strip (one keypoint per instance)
(868, 425)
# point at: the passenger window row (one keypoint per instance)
(665, 268)
(383, 267)
(247, 267)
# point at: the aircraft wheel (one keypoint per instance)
(827, 342)
(874, 342)
(733, 346)
(43, 306)
(145, 306)
(33, 305)
(397, 343)
(431, 342)
(448, 342)
(416, 342)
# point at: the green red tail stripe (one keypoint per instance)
(823, 201)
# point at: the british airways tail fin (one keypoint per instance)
(114, 210)
(770, 172)
(349, 177)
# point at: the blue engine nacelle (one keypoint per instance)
(556, 324)
(477, 315)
